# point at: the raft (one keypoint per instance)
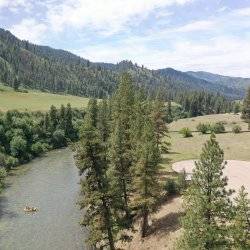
(30, 209)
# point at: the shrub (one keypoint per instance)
(2, 177)
(18, 146)
(218, 128)
(38, 148)
(58, 139)
(186, 132)
(236, 129)
(203, 128)
(171, 186)
(11, 162)
(182, 182)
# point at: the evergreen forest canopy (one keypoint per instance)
(58, 71)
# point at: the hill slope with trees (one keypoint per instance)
(59, 71)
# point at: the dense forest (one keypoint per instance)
(25, 135)
(59, 71)
(118, 156)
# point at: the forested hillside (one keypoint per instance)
(239, 83)
(59, 71)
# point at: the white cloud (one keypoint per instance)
(108, 15)
(13, 5)
(196, 26)
(29, 29)
(224, 55)
(244, 12)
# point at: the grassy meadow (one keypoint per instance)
(36, 100)
(235, 146)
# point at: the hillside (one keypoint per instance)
(59, 71)
(233, 82)
(36, 100)
(198, 83)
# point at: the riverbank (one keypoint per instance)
(51, 184)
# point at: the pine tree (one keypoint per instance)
(146, 175)
(93, 110)
(62, 117)
(103, 120)
(53, 118)
(121, 139)
(207, 202)
(169, 117)
(241, 221)
(91, 160)
(160, 127)
(246, 109)
(69, 128)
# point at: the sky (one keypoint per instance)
(208, 35)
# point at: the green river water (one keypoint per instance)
(51, 184)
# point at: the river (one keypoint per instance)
(51, 184)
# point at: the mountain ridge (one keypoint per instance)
(56, 70)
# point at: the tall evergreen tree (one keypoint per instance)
(62, 117)
(207, 202)
(91, 160)
(121, 139)
(53, 118)
(246, 109)
(241, 221)
(69, 128)
(146, 174)
(160, 127)
(103, 119)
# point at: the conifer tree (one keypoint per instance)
(93, 111)
(121, 139)
(241, 221)
(207, 202)
(62, 117)
(103, 120)
(92, 163)
(69, 128)
(53, 118)
(160, 127)
(146, 174)
(246, 109)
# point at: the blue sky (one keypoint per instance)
(210, 35)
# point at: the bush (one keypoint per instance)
(171, 187)
(203, 128)
(58, 139)
(182, 182)
(18, 146)
(236, 129)
(2, 177)
(11, 162)
(218, 128)
(39, 148)
(186, 132)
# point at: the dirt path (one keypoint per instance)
(238, 172)
(164, 229)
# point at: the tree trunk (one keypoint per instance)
(144, 224)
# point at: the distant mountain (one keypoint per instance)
(197, 83)
(59, 71)
(239, 83)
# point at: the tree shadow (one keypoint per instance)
(168, 223)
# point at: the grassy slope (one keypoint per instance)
(235, 146)
(35, 100)
(166, 228)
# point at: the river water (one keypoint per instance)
(51, 184)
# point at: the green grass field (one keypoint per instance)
(235, 146)
(36, 100)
